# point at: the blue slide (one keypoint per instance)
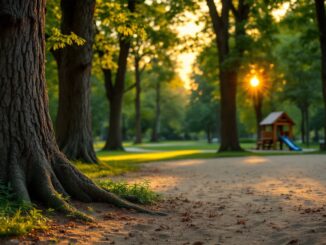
(290, 144)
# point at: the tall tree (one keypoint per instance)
(157, 119)
(203, 108)
(321, 20)
(298, 55)
(138, 129)
(162, 72)
(115, 88)
(227, 74)
(73, 123)
(159, 39)
(301, 76)
(30, 160)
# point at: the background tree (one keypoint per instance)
(321, 20)
(301, 79)
(159, 38)
(125, 25)
(317, 123)
(203, 108)
(298, 60)
(73, 122)
(162, 72)
(227, 68)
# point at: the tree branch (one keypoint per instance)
(142, 69)
(234, 10)
(321, 17)
(130, 88)
(216, 19)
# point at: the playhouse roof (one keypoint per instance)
(273, 117)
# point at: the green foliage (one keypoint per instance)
(18, 218)
(115, 22)
(202, 110)
(57, 40)
(298, 56)
(140, 192)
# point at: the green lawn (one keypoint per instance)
(115, 163)
(190, 145)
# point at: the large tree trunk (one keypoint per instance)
(321, 19)
(228, 78)
(138, 129)
(73, 124)
(115, 93)
(114, 140)
(157, 120)
(229, 132)
(30, 160)
(114, 137)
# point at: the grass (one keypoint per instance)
(139, 192)
(116, 163)
(18, 218)
(105, 169)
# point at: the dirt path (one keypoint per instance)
(250, 200)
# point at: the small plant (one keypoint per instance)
(137, 192)
(18, 218)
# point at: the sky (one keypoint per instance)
(190, 28)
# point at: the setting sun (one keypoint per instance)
(254, 82)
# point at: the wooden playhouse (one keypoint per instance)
(276, 124)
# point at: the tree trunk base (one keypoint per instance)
(77, 151)
(230, 149)
(108, 147)
(54, 181)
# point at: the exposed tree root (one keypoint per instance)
(87, 188)
(53, 182)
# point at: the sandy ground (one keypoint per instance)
(248, 200)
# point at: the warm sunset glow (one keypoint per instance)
(254, 82)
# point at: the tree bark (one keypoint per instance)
(30, 160)
(114, 139)
(73, 124)
(321, 20)
(228, 78)
(138, 129)
(157, 121)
